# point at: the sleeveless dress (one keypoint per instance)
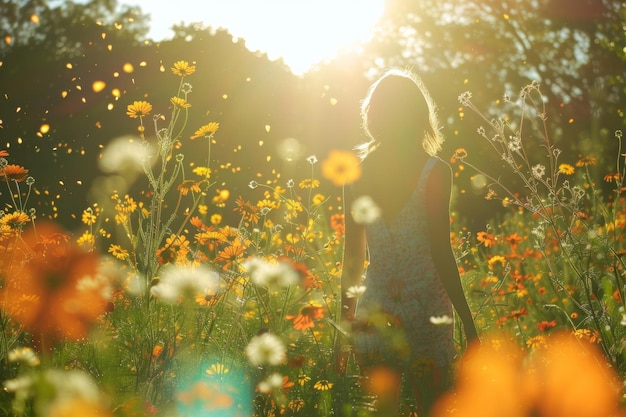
(392, 323)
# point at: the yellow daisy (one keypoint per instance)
(138, 109)
(182, 68)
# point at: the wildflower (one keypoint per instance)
(309, 183)
(486, 239)
(206, 299)
(205, 398)
(13, 173)
(86, 240)
(206, 131)
(537, 342)
(356, 291)
(465, 98)
(323, 385)
(290, 183)
(248, 211)
(46, 296)
(441, 320)
(546, 325)
(118, 252)
(312, 159)
(271, 274)
(176, 249)
(124, 155)
(204, 172)
(459, 154)
(365, 210)
(341, 168)
(88, 217)
(138, 109)
(179, 102)
(612, 177)
(305, 318)
(176, 282)
(296, 405)
(538, 171)
(189, 185)
(216, 219)
(587, 161)
(566, 169)
(182, 68)
(491, 263)
(217, 369)
(230, 254)
(15, 220)
(265, 349)
(272, 382)
(25, 355)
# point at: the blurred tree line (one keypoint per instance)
(55, 121)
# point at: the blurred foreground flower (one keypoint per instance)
(566, 377)
(341, 168)
(180, 281)
(57, 290)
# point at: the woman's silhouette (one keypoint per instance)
(403, 320)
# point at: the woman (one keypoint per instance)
(403, 320)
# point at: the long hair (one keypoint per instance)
(398, 105)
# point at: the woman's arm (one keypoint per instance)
(438, 191)
(351, 273)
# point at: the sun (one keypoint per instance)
(302, 32)
(305, 32)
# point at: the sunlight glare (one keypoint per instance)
(302, 32)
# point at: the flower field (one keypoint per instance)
(161, 305)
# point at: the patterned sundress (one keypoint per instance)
(403, 291)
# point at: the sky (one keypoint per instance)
(302, 32)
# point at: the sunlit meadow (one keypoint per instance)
(163, 305)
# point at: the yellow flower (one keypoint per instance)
(15, 220)
(182, 68)
(204, 172)
(203, 208)
(206, 131)
(179, 102)
(217, 369)
(566, 169)
(138, 109)
(309, 183)
(86, 240)
(118, 252)
(216, 219)
(496, 259)
(323, 385)
(88, 217)
(341, 167)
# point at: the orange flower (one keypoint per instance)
(587, 161)
(230, 254)
(486, 239)
(546, 325)
(305, 318)
(341, 167)
(58, 292)
(3, 153)
(14, 173)
(175, 250)
(189, 185)
(248, 211)
(566, 377)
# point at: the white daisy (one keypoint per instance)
(356, 291)
(441, 320)
(177, 281)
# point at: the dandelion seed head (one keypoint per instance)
(265, 349)
(365, 210)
